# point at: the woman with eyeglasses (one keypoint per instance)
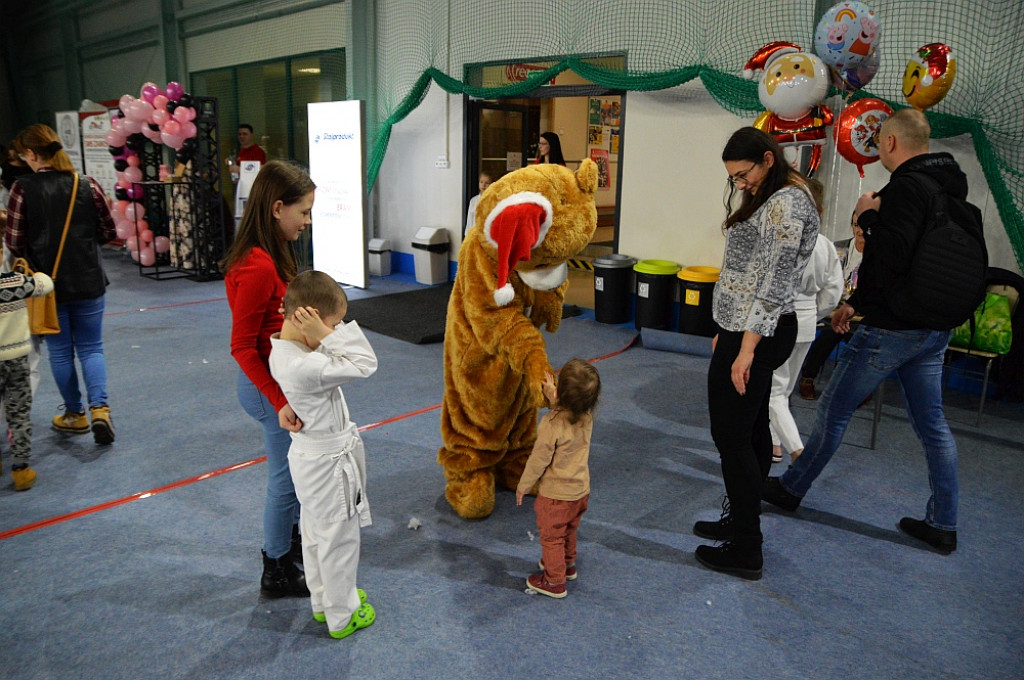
(769, 237)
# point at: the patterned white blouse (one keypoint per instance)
(765, 256)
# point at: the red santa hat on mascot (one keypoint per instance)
(516, 226)
(763, 58)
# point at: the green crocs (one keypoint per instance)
(363, 617)
(322, 618)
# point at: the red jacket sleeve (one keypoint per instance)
(255, 282)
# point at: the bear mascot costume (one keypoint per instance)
(511, 281)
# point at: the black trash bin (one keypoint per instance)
(655, 290)
(613, 288)
(696, 291)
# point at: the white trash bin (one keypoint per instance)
(380, 256)
(430, 254)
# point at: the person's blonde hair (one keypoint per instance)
(276, 181)
(317, 290)
(579, 386)
(45, 144)
(911, 127)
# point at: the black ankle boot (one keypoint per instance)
(281, 578)
(295, 552)
(722, 530)
(733, 557)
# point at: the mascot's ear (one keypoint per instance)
(586, 176)
(515, 226)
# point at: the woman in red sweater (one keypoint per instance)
(257, 269)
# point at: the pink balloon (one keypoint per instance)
(123, 183)
(160, 116)
(122, 207)
(133, 174)
(116, 124)
(131, 126)
(140, 110)
(135, 211)
(135, 192)
(123, 230)
(133, 160)
(171, 127)
(173, 141)
(114, 138)
(125, 101)
(145, 235)
(132, 242)
(162, 244)
(174, 90)
(160, 102)
(148, 91)
(135, 254)
(181, 114)
(188, 130)
(151, 134)
(141, 226)
(191, 113)
(147, 258)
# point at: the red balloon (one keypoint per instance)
(856, 131)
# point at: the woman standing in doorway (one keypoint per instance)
(257, 270)
(40, 205)
(549, 149)
(769, 238)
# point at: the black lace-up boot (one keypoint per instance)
(720, 530)
(281, 578)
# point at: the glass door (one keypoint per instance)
(498, 141)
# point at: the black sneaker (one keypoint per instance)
(720, 530)
(732, 558)
(942, 540)
(772, 492)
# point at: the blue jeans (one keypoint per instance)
(281, 510)
(81, 335)
(870, 356)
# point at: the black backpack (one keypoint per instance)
(947, 277)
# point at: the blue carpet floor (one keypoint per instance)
(166, 586)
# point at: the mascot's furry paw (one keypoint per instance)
(471, 494)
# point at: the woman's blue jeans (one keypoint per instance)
(81, 335)
(281, 510)
(869, 358)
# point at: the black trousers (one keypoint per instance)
(739, 424)
(820, 350)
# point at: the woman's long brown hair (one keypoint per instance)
(750, 144)
(45, 144)
(276, 181)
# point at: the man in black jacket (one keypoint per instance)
(893, 220)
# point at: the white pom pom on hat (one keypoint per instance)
(766, 55)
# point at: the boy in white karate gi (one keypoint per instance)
(312, 356)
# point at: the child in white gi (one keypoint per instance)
(310, 359)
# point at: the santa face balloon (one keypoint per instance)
(929, 75)
(792, 84)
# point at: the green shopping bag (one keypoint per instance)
(992, 331)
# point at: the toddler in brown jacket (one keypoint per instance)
(559, 463)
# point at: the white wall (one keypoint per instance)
(412, 193)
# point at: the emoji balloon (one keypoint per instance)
(929, 75)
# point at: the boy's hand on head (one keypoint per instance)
(309, 323)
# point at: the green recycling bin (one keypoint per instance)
(655, 292)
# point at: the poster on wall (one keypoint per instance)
(99, 164)
(603, 125)
(67, 130)
(600, 157)
(247, 171)
(337, 160)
